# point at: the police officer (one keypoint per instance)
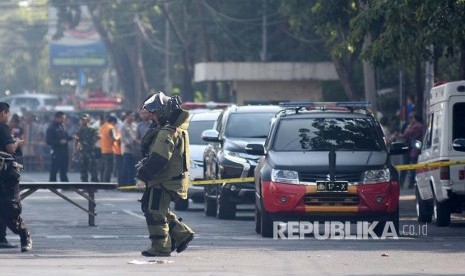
(85, 146)
(57, 138)
(10, 201)
(164, 172)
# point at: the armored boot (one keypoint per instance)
(180, 233)
(26, 242)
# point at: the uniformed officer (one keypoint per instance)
(57, 138)
(165, 174)
(10, 201)
(85, 146)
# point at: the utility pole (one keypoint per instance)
(429, 81)
(263, 54)
(168, 86)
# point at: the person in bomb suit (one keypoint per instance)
(164, 173)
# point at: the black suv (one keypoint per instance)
(325, 161)
(225, 156)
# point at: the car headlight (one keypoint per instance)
(285, 176)
(376, 176)
(234, 157)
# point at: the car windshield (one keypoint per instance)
(249, 125)
(322, 134)
(195, 131)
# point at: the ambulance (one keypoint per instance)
(440, 177)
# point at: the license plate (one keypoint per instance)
(332, 186)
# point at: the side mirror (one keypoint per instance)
(397, 148)
(210, 135)
(459, 144)
(255, 149)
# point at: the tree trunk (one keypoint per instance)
(369, 79)
(345, 73)
(462, 60)
(419, 90)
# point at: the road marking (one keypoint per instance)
(59, 237)
(129, 212)
(105, 237)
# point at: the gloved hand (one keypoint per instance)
(140, 185)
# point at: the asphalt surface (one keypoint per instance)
(63, 244)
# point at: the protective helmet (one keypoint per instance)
(155, 102)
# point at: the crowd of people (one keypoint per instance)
(103, 146)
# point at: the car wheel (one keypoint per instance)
(394, 219)
(441, 213)
(266, 224)
(226, 208)
(258, 221)
(181, 204)
(209, 206)
(424, 209)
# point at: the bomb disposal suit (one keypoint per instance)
(165, 173)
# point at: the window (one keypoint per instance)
(322, 134)
(249, 125)
(458, 121)
(195, 131)
(429, 132)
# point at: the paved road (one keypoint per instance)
(65, 245)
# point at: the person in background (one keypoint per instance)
(85, 147)
(414, 131)
(130, 149)
(107, 139)
(57, 138)
(10, 200)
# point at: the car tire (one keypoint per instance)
(258, 221)
(441, 213)
(226, 209)
(394, 218)
(424, 209)
(181, 204)
(210, 206)
(266, 224)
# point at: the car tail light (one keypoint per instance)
(444, 173)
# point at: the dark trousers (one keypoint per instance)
(59, 164)
(107, 161)
(88, 163)
(407, 160)
(2, 231)
(128, 170)
(10, 208)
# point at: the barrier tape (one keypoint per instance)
(207, 182)
(251, 179)
(429, 165)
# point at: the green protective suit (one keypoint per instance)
(166, 173)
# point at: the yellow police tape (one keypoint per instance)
(207, 182)
(429, 165)
(251, 179)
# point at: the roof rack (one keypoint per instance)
(300, 106)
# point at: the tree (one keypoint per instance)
(21, 49)
(330, 19)
(402, 32)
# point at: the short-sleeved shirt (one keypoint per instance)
(5, 137)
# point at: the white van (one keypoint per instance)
(440, 191)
